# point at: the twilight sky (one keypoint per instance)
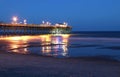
(82, 15)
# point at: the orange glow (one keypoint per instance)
(45, 38)
(49, 44)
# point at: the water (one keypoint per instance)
(45, 45)
(65, 46)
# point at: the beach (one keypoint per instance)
(60, 38)
(59, 56)
(19, 65)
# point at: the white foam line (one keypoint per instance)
(95, 38)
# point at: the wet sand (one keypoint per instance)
(21, 57)
(19, 65)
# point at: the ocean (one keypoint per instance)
(103, 45)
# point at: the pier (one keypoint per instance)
(32, 29)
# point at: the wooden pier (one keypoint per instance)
(30, 29)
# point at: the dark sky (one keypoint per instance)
(82, 15)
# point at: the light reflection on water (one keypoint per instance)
(49, 45)
(62, 46)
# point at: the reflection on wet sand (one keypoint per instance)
(55, 45)
(49, 45)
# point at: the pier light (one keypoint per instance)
(25, 21)
(15, 19)
(43, 22)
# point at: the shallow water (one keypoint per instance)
(62, 46)
(46, 45)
